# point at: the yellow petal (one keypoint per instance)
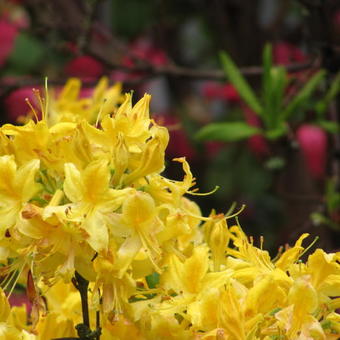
(95, 226)
(4, 307)
(25, 179)
(126, 253)
(96, 178)
(7, 174)
(138, 208)
(321, 265)
(73, 186)
(303, 296)
(291, 255)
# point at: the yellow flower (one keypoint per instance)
(17, 187)
(178, 276)
(82, 190)
(120, 329)
(291, 255)
(320, 266)
(68, 106)
(91, 201)
(4, 307)
(268, 293)
(302, 303)
(217, 236)
(53, 325)
(27, 142)
(8, 330)
(151, 159)
(138, 225)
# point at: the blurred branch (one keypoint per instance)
(111, 51)
(335, 117)
(311, 3)
(280, 16)
(148, 71)
(180, 71)
(91, 8)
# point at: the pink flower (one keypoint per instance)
(16, 105)
(257, 143)
(179, 144)
(143, 50)
(336, 21)
(230, 93)
(212, 148)
(313, 143)
(84, 67)
(213, 90)
(286, 53)
(8, 33)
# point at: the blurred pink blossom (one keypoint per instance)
(84, 67)
(8, 33)
(313, 143)
(16, 105)
(179, 144)
(286, 53)
(257, 143)
(213, 90)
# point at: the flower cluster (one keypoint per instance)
(81, 193)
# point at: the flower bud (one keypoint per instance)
(313, 142)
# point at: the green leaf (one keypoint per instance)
(275, 163)
(227, 132)
(274, 97)
(304, 94)
(319, 219)
(277, 132)
(27, 54)
(329, 126)
(267, 66)
(267, 83)
(234, 75)
(273, 86)
(334, 90)
(152, 280)
(332, 195)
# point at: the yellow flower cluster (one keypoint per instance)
(81, 191)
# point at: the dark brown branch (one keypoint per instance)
(179, 71)
(335, 117)
(148, 72)
(111, 53)
(82, 286)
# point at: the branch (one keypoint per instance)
(82, 286)
(111, 52)
(91, 7)
(147, 72)
(186, 72)
(335, 164)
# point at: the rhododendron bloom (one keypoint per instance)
(84, 206)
